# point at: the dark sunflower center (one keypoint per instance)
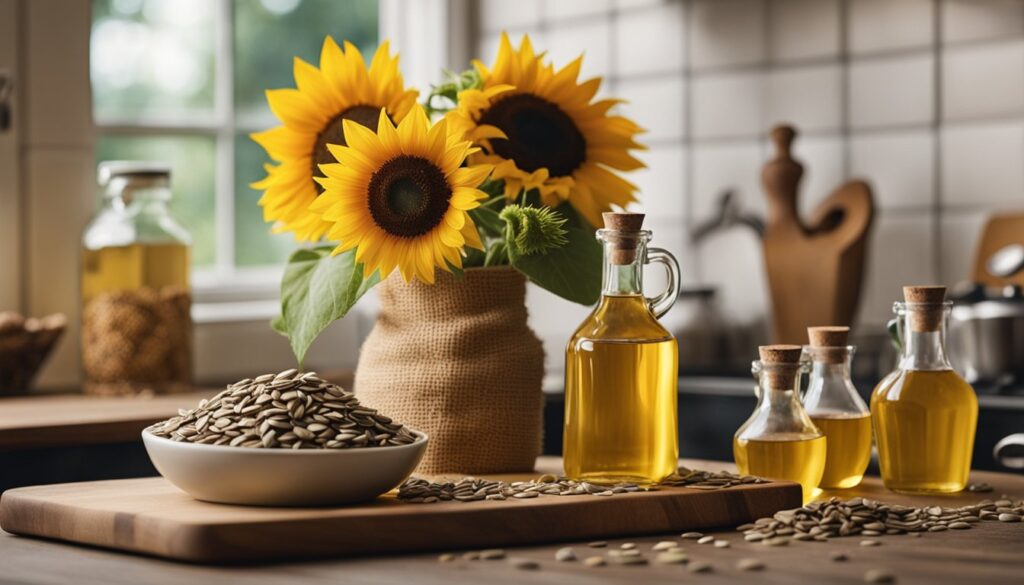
(540, 134)
(333, 133)
(408, 196)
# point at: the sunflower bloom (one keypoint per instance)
(542, 130)
(312, 117)
(401, 196)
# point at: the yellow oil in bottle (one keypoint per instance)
(849, 448)
(793, 457)
(621, 389)
(924, 426)
(134, 266)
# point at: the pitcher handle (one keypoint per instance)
(662, 303)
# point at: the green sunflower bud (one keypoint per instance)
(533, 230)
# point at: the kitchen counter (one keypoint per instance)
(989, 553)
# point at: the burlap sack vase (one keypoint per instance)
(458, 361)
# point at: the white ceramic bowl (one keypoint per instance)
(283, 477)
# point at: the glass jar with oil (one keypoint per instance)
(779, 440)
(136, 303)
(621, 369)
(836, 408)
(924, 413)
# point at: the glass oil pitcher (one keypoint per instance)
(924, 413)
(779, 440)
(836, 409)
(621, 369)
(136, 322)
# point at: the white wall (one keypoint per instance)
(925, 98)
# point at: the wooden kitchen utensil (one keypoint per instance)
(815, 268)
(150, 516)
(1000, 230)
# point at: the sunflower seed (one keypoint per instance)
(693, 535)
(879, 576)
(565, 554)
(699, 567)
(246, 414)
(664, 545)
(673, 557)
(749, 565)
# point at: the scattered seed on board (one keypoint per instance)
(597, 544)
(981, 487)
(706, 539)
(879, 576)
(749, 565)
(675, 557)
(492, 554)
(628, 545)
(631, 560)
(699, 567)
(565, 554)
(665, 545)
(839, 557)
(594, 561)
(471, 556)
(1009, 517)
(692, 535)
(869, 543)
(721, 544)
(446, 558)
(524, 564)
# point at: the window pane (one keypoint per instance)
(152, 58)
(254, 244)
(191, 159)
(269, 32)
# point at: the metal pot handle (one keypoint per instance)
(1009, 452)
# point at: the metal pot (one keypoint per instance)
(986, 336)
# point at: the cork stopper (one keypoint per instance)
(926, 306)
(781, 365)
(628, 226)
(828, 344)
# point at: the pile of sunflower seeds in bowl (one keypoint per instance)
(289, 410)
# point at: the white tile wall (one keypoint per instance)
(809, 98)
(499, 15)
(728, 104)
(901, 251)
(858, 77)
(898, 165)
(978, 20)
(649, 41)
(892, 92)
(803, 29)
(718, 167)
(976, 83)
(880, 25)
(662, 184)
(588, 37)
(657, 105)
(981, 166)
(959, 235)
(727, 32)
(572, 9)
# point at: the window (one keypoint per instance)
(182, 81)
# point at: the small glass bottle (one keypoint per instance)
(836, 409)
(779, 441)
(136, 322)
(621, 369)
(924, 413)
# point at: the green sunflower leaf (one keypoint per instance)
(572, 271)
(316, 290)
(488, 221)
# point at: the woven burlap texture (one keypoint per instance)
(458, 361)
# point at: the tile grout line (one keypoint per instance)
(936, 131)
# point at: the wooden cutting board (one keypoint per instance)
(150, 516)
